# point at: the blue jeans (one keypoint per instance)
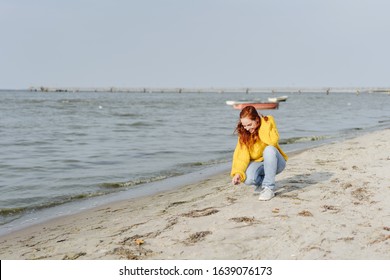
(262, 173)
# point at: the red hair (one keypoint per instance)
(245, 137)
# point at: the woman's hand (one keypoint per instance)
(236, 179)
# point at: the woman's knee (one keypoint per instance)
(249, 181)
(269, 151)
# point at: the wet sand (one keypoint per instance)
(332, 202)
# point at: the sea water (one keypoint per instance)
(61, 148)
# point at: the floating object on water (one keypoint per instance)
(278, 99)
(258, 105)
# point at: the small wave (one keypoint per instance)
(193, 164)
(206, 163)
(122, 124)
(126, 115)
(353, 129)
(302, 139)
(141, 124)
(10, 212)
(70, 101)
(152, 154)
(119, 185)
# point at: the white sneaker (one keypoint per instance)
(266, 194)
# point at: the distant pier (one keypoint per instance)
(246, 90)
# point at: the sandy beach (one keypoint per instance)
(332, 202)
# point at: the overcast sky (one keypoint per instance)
(194, 43)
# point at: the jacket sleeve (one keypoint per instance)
(241, 159)
(268, 132)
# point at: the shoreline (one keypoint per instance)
(143, 190)
(140, 191)
(331, 203)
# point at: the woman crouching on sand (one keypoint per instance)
(257, 157)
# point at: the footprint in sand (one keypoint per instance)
(346, 185)
(231, 199)
(305, 213)
(243, 220)
(332, 209)
(360, 194)
(196, 237)
(75, 256)
(201, 213)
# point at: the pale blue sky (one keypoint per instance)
(194, 43)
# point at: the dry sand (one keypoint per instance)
(332, 202)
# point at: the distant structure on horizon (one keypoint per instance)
(246, 90)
